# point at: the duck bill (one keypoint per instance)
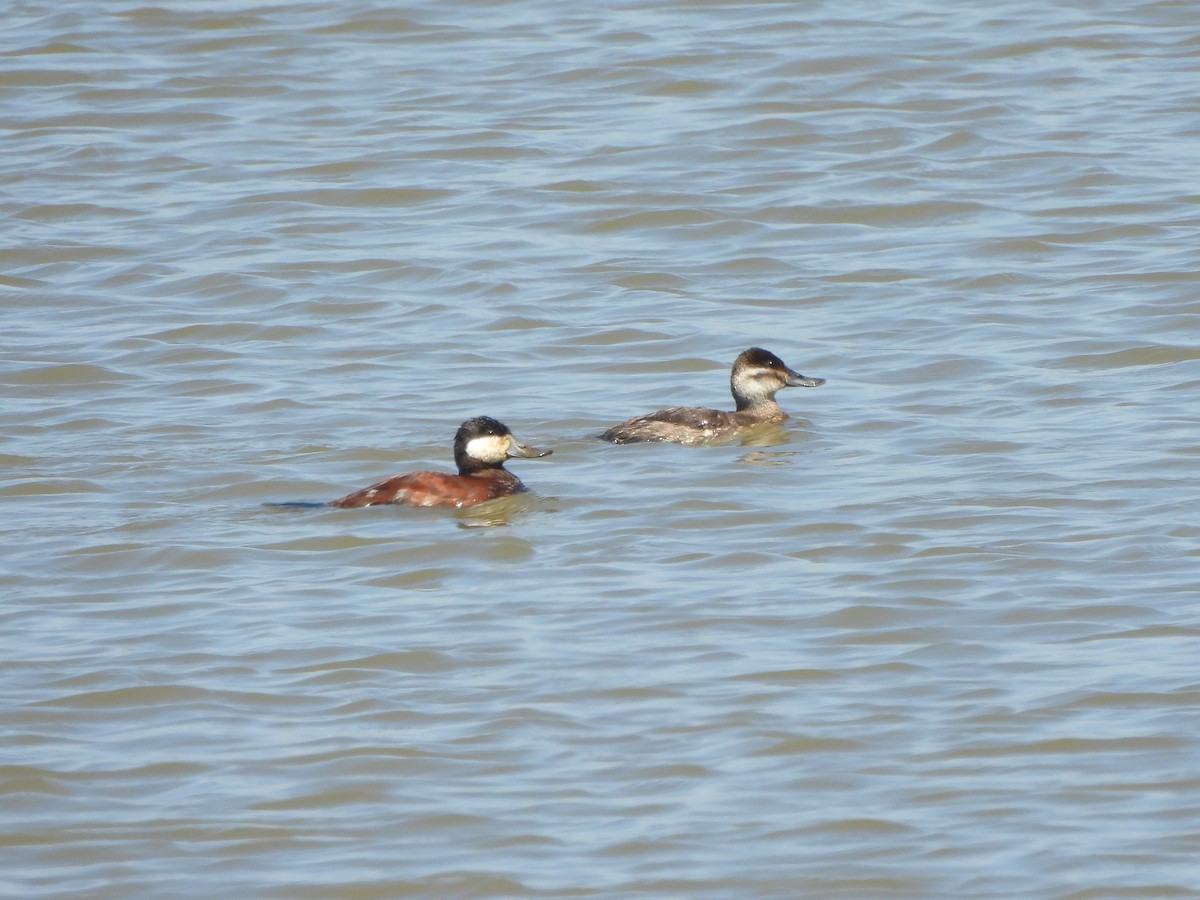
(795, 379)
(516, 448)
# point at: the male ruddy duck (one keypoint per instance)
(480, 448)
(756, 376)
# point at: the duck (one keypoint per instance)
(756, 376)
(481, 447)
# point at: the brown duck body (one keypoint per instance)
(755, 378)
(436, 489)
(690, 424)
(481, 447)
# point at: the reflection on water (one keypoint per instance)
(769, 434)
(931, 636)
(763, 458)
(502, 511)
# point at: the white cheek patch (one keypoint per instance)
(489, 448)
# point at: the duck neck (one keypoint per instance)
(468, 465)
(758, 407)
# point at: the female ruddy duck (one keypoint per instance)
(757, 374)
(480, 448)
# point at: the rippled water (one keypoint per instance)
(933, 637)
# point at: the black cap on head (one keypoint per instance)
(480, 425)
(757, 356)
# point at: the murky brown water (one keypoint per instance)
(934, 637)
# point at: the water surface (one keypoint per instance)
(932, 637)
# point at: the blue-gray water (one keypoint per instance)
(934, 637)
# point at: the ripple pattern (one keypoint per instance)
(931, 637)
